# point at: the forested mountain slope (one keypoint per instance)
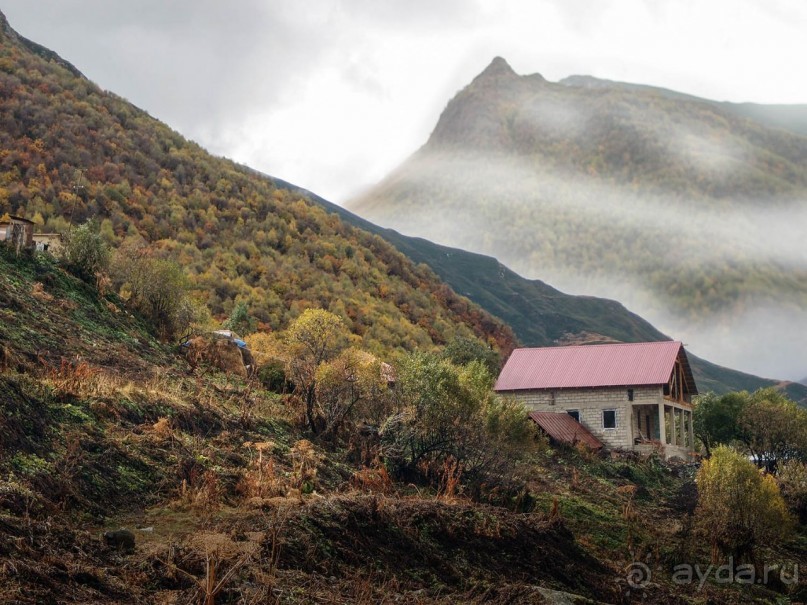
(71, 152)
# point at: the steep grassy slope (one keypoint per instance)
(100, 425)
(71, 151)
(684, 209)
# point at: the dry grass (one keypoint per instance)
(305, 460)
(373, 480)
(260, 480)
(201, 493)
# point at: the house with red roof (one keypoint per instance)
(632, 396)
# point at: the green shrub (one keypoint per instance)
(84, 252)
(273, 376)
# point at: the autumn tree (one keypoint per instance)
(463, 350)
(716, 418)
(316, 337)
(773, 428)
(739, 507)
(271, 359)
(350, 383)
(792, 479)
(156, 288)
(765, 423)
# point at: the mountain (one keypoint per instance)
(541, 315)
(72, 152)
(792, 118)
(687, 210)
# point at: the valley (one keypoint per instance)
(217, 387)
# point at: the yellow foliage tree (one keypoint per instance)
(738, 506)
(314, 338)
(265, 347)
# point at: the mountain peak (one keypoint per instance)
(498, 68)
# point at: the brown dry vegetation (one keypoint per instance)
(117, 431)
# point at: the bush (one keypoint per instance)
(84, 252)
(273, 376)
(450, 413)
(793, 483)
(462, 351)
(738, 507)
(156, 288)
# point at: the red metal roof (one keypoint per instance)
(565, 429)
(624, 364)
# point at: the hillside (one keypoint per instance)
(102, 427)
(71, 152)
(541, 315)
(246, 236)
(683, 209)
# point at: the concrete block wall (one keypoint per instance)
(591, 402)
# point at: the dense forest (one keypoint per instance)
(71, 152)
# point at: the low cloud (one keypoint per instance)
(539, 221)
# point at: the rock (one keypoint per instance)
(221, 353)
(121, 539)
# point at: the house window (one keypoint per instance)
(630, 394)
(552, 398)
(609, 419)
(574, 414)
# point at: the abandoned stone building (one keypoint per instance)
(633, 396)
(17, 231)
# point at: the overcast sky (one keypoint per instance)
(332, 95)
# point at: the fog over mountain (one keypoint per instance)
(689, 211)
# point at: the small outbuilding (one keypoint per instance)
(17, 231)
(634, 396)
(48, 242)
